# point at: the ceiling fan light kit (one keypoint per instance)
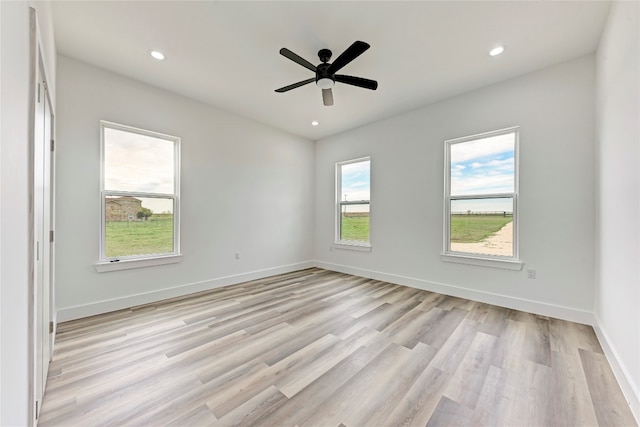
(326, 76)
(325, 83)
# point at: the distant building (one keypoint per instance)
(122, 208)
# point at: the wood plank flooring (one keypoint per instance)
(319, 348)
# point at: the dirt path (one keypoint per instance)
(500, 243)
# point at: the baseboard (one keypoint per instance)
(530, 306)
(629, 389)
(106, 306)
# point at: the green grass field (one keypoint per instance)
(464, 228)
(475, 228)
(355, 228)
(139, 237)
(156, 234)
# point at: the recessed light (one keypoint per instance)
(496, 51)
(315, 123)
(156, 54)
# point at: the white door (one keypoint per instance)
(41, 236)
(38, 237)
(48, 237)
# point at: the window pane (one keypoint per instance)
(137, 163)
(138, 226)
(483, 166)
(355, 181)
(354, 222)
(482, 226)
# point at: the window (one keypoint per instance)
(481, 196)
(352, 203)
(140, 195)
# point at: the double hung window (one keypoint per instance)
(481, 196)
(353, 191)
(140, 194)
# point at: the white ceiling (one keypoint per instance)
(226, 53)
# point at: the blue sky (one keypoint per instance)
(483, 166)
(356, 181)
(356, 185)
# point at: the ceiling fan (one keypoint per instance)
(326, 75)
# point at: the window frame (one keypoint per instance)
(106, 263)
(338, 242)
(498, 261)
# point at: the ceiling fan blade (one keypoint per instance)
(357, 81)
(352, 52)
(327, 97)
(295, 58)
(295, 85)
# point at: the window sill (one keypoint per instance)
(505, 264)
(103, 267)
(362, 247)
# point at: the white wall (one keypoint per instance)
(246, 188)
(46, 38)
(14, 214)
(617, 301)
(15, 247)
(554, 108)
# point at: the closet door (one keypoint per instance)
(42, 236)
(39, 241)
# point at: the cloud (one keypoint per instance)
(493, 176)
(354, 169)
(138, 163)
(482, 148)
(355, 180)
(488, 166)
(359, 184)
(483, 184)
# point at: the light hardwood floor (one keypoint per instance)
(319, 348)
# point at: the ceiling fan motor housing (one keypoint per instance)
(324, 80)
(324, 55)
